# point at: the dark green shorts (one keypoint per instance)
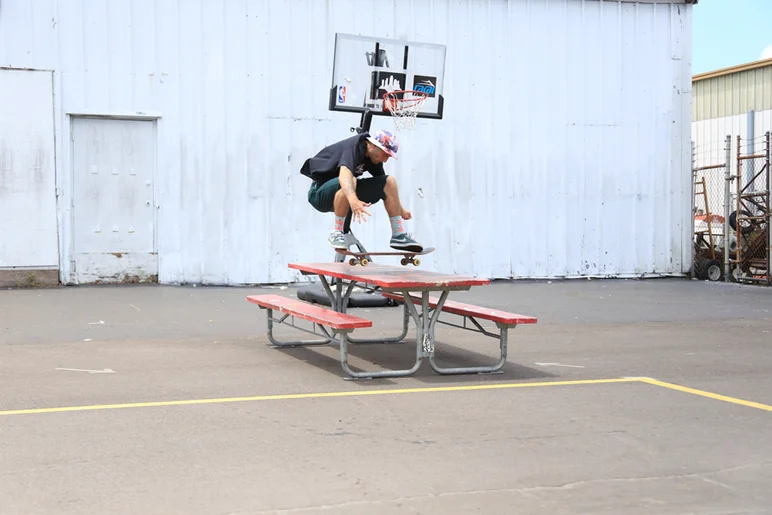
(369, 190)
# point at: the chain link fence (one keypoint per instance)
(711, 175)
(731, 210)
(750, 216)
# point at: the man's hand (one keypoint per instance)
(407, 215)
(358, 209)
(348, 185)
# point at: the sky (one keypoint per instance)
(730, 32)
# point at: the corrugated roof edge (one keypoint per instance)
(688, 2)
(733, 69)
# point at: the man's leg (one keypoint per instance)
(340, 207)
(385, 187)
(326, 198)
(393, 205)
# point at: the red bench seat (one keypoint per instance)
(459, 308)
(311, 312)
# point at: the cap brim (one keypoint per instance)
(378, 144)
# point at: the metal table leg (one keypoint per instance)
(426, 322)
(483, 369)
(424, 339)
(339, 302)
(296, 343)
(374, 375)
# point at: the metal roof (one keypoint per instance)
(732, 91)
(732, 69)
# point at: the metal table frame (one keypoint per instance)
(425, 327)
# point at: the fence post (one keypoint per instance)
(693, 213)
(739, 178)
(768, 206)
(727, 203)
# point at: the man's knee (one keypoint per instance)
(390, 187)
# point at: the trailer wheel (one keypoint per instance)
(712, 270)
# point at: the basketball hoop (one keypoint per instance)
(404, 107)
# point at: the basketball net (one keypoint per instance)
(404, 107)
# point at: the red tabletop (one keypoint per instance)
(389, 277)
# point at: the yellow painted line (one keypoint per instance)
(709, 395)
(319, 395)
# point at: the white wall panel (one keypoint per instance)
(28, 225)
(564, 150)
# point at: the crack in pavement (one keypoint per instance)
(524, 490)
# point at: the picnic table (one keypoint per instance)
(413, 288)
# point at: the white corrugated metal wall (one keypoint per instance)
(564, 150)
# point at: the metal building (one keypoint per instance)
(162, 140)
(731, 124)
(735, 101)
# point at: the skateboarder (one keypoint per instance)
(339, 186)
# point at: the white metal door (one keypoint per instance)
(113, 204)
(28, 224)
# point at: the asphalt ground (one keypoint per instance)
(627, 397)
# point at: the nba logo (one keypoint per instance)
(341, 94)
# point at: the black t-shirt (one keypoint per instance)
(349, 152)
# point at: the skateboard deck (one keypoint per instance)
(408, 256)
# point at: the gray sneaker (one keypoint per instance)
(336, 240)
(405, 242)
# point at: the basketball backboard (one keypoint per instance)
(365, 68)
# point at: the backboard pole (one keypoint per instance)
(364, 122)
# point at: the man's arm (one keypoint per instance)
(347, 183)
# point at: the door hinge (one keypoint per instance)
(72, 266)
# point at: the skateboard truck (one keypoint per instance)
(363, 258)
(350, 240)
(364, 261)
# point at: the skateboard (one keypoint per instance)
(408, 256)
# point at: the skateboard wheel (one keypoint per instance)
(352, 261)
(403, 261)
(364, 261)
(417, 262)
